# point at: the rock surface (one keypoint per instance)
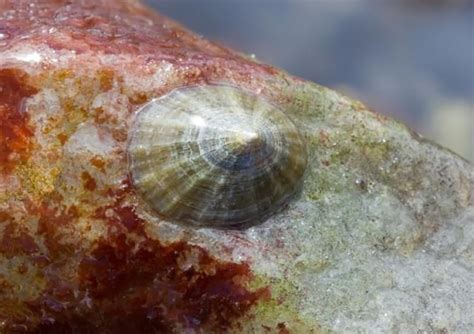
(381, 238)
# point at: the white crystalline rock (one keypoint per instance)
(88, 139)
(381, 239)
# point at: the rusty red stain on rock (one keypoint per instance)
(146, 280)
(120, 216)
(88, 181)
(62, 137)
(50, 224)
(15, 132)
(123, 285)
(127, 286)
(98, 163)
(15, 241)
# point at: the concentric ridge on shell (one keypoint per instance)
(215, 156)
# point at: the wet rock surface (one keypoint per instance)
(380, 239)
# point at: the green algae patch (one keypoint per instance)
(280, 313)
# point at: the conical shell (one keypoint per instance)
(215, 156)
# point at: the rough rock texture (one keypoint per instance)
(380, 240)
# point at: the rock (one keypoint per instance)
(380, 239)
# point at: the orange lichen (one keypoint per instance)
(88, 181)
(138, 98)
(106, 78)
(15, 132)
(98, 163)
(4, 216)
(62, 137)
(100, 116)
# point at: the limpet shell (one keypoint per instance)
(215, 156)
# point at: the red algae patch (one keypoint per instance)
(125, 286)
(53, 225)
(126, 282)
(124, 216)
(144, 286)
(15, 133)
(120, 215)
(15, 241)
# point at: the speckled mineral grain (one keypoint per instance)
(380, 238)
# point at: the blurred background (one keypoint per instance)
(410, 59)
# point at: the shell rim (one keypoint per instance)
(280, 206)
